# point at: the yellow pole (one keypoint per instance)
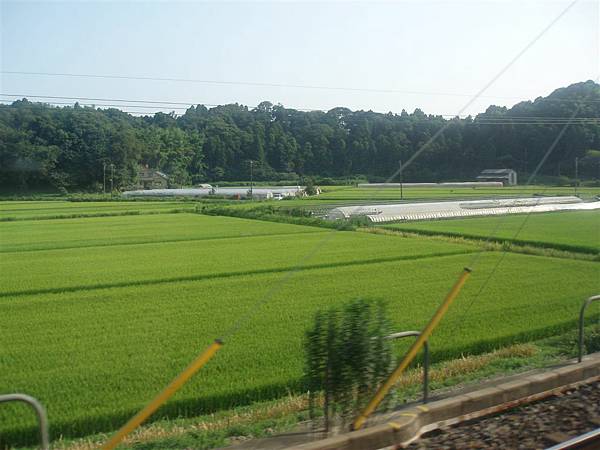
(412, 352)
(161, 398)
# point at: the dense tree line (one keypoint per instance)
(69, 146)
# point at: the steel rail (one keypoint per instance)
(587, 441)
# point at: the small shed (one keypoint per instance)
(151, 178)
(508, 177)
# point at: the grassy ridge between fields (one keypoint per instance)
(576, 231)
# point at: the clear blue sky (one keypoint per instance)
(425, 46)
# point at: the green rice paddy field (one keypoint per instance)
(98, 314)
(20, 210)
(345, 193)
(569, 230)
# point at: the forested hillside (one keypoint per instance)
(43, 145)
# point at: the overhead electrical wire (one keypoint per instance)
(269, 84)
(156, 105)
(235, 83)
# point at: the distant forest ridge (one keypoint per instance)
(68, 147)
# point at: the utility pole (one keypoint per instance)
(251, 181)
(104, 177)
(401, 190)
(112, 177)
(576, 174)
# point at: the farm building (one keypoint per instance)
(151, 178)
(508, 177)
(447, 210)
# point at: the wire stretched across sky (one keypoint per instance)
(173, 106)
(267, 84)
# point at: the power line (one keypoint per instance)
(146, 113)
(59, 97)
(156, 104)
(265, 84)
(112, 105)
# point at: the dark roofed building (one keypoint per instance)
(152, 179)
(507, 176)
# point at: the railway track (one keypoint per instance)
(564, 420)
(585, 441)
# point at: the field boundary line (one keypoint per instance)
(497, 240)
(101, 214)
(191, 278)
(173, 241)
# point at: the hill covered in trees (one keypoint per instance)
(44, 145)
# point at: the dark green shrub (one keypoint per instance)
(347, 358)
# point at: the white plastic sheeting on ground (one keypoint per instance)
(457, 184)
(257, 192)
(445, 210)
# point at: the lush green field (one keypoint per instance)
(32, 235)
(100, 313)
(94, 356)
(135, 264)
(569, 230)
(336, 193)
(19, 210)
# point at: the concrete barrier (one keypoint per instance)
(404, 425)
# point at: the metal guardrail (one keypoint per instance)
(425, 359)
(39, 411)
(581, 320)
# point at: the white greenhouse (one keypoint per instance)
(445, 210)
(233, 192)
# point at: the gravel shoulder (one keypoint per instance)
(533, 426)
